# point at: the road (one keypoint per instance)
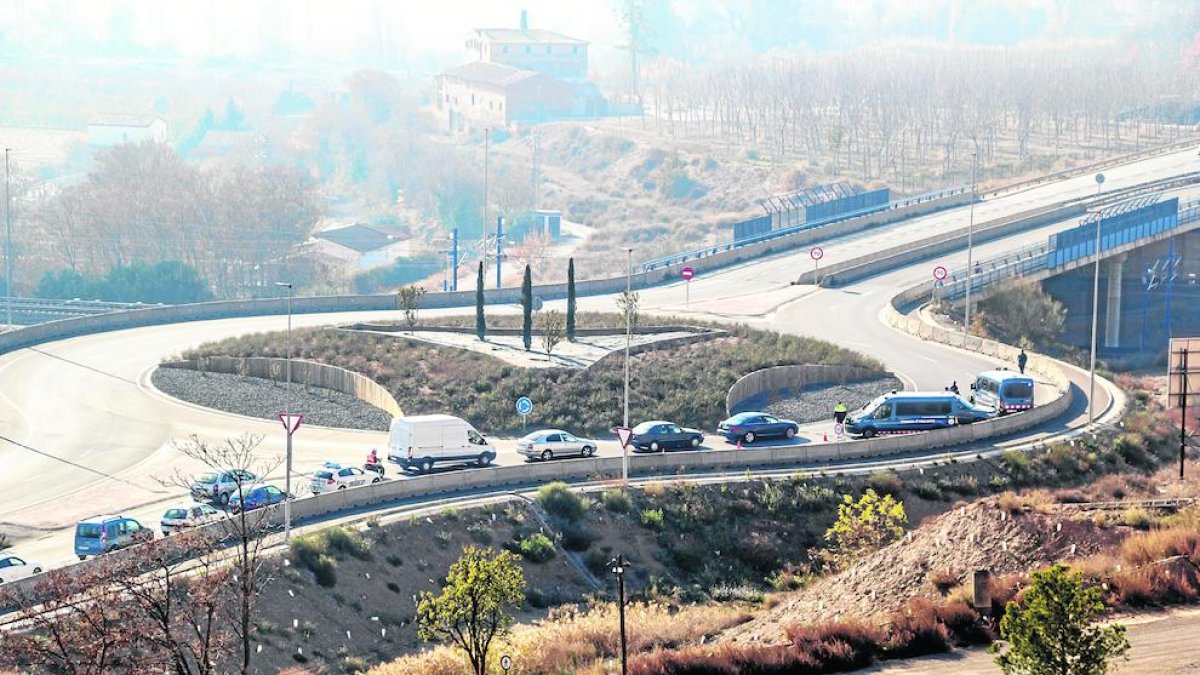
(1162, 643)
(111, 434)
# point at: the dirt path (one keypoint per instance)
(1161, 644)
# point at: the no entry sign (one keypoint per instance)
(687, 273)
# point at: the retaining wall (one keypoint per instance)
(777, 378)
(303, 372)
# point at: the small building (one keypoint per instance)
(543, 51)
(361, 247)
(491, 94)
(115, 129)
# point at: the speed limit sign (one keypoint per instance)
(939, 273)
(816, 253)
(506, 662)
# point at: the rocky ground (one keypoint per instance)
(814, 405)
(256, 397)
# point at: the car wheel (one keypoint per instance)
(341, 487)
(749, 437)
(484, 459)
(83, 557)
(547, 455)
(588, 451)
(869, 432)
(790, 433)
(37, 570)
(427, 466)
(223, 498)
(376, 479)
(696, 442)
(654, 446)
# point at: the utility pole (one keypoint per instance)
(499, 246)
(537, 179)
(970, 243)
(1183, 394)
(454, 259)
(8, 249)
(618, 566)
(483, 247)
(628, 333)
(287, 412)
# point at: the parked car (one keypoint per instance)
(658, 435)
(219, 486)
(550, 443)
(334, 476)
(751, 426)
(1003, 390)
(420, 441)
(906, 412)
(13, 568)
(256, 498)
(101, 534)
(184, 516)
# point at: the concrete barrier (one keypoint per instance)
(778, 378)
(303, 372)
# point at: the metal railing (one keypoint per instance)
(29, 311)
(667, 261)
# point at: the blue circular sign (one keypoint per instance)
(524, 405)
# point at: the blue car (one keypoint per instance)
(751, 426)
(909, 412)
(257, 498)
(101, 534)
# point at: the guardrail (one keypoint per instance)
(1096, 166)
(905, 203)
(1170, 504)
(28, 311)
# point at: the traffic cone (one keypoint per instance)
(825, 436)
(739, 444)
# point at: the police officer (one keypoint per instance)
(839, 412)
(1022, 359)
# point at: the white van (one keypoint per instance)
(420, 441)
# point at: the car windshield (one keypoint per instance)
(644, 428)
(1018, 389)
(175, 514)
(207, 478)
(88, 530)
(323, 475)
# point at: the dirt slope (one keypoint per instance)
(979, 536)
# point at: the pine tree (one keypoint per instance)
(480, 322)
(527, 308)
(571, 299)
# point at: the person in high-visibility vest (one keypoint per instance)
(839, 412)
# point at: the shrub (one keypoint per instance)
(577, 538)
(394, 560)
(537, 548)
(727, 593)
(943, 580)
(966, 485)
(560, 501)
(480, 533)
(310, 552)
(597, 561)
(616, 501)
(885, 482)
(341, 541)
(652, 518)
(1137, 518)
(928, 490)
(1155, 545)
(964, 624)
(788, 579)
(917, 632)
(839, 645)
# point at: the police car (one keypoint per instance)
(334, 476)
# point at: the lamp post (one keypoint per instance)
(618, 566)
(8, 252)
(628, 332)
(1095, 310)
(970, 244)
(287, 410)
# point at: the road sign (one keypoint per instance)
(291, 422)
(524, 405)
(624, 435)
(816, 253)
(506, 662)
(839, 429)
(940, 272)
(687, 273)
(537, 303)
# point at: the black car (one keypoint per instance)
(659, 435)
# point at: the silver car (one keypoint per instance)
(550, 443)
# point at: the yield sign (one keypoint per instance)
(624, 434)
(291, 422)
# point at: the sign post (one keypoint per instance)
(816, 253)
(1183, 386)
(506, 663)
(687, 273)
(624, 434)
(524, 407)
(939, 280)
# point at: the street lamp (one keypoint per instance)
(628, 332)
(287, 410)
(970, 243)
(8, 252)
(618, 565)
(1095, 309)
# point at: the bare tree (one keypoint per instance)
(409, 299)
(553, 329)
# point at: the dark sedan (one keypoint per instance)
(751, 426)
(658, 435)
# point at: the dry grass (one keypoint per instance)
(1155, 545)
(571, 640)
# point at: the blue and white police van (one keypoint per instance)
(1004, 391)
(908, 412)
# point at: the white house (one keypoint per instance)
(114, 129)
(361, 247)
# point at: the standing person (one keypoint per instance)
(839, 412)
(953, 388)
(1022, 359)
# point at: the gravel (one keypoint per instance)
(816, 404)
(256, 397)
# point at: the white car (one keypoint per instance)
(178, 518)
(333, 476)
(13, 568)
(550, 443)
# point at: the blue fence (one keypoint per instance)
(678, 258)
(856, 203)
(1121, 224)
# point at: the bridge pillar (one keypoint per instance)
(1112, 311)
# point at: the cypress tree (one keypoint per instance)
(527, 308)
(480, 323)
(571, 299)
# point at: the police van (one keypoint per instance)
(1003, 391)
(907, 412)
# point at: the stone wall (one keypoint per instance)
(775, 379)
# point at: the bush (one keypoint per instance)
(943, 580)
(480, 533)
(341, 541)
(597, 562)
(838, 646)
(577, 538)
(652, 518)
(885, 482)
(726, 593)
(537, 548)
(928, 490)
(310, 552)
(560, 501)
(917, 632)
(1137, 518)
(616, 501)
